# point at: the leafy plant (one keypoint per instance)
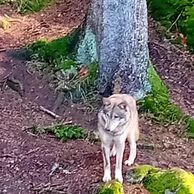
(65, 132)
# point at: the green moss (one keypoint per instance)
(66, 64)
(136, 175)
(158, 103)
(112, 187)
(174, 180)
(56, 52)
(27, 6)
(190, 126)
(159, 181)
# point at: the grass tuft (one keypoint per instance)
(27, 6)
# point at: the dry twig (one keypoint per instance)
(49, 112)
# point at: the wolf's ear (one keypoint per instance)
(106, 101)
(123, 106)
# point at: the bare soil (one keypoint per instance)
(27, 160)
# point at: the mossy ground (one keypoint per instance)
(159, 181)
(55, 52)
(159, 105)
(112, 187)
(27, 6)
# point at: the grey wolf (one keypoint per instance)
(117, 121)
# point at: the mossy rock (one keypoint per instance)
(159, 181)
(111, 187)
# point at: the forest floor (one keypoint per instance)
(26, 160)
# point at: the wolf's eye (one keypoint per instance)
(116, 117)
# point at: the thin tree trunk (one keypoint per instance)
(116, 37)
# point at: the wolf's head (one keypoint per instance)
(114, 115)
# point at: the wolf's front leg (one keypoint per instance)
(106, 161)
(119, 159)
(133, 152)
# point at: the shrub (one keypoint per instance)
(178, 14)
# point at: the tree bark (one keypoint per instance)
(116, 37)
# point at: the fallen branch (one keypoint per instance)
(49, 112)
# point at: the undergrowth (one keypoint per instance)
(76, 80)
(176, 15)
(27, 6)
(160, 107)
(63, 132)
(59, 53)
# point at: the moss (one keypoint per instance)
(136, 175)
(159, 181)
(158, 103)
(190, 126)
(112, 187)
(55, 52)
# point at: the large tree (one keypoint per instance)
(116, 35)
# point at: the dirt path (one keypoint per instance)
(26, 160)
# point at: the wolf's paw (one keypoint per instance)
(129, 162)
(119, 177)
(113, 151)
(106, 178)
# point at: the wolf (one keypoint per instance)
(117, 121)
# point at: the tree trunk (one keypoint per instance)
(116, 37)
